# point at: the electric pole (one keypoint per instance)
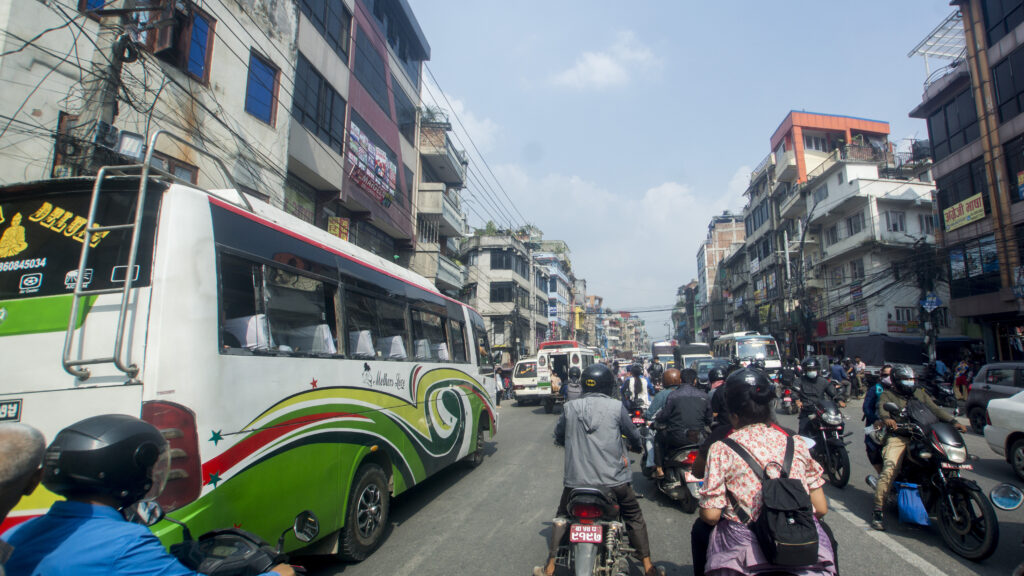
(99, 107)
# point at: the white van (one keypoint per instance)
(748, 346)
(555, 357)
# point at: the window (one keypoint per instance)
(905, 314)
(821, 193)
(334, 22)
(184, 37)
(855, 223)
(974, 267)
(970, 179)
(370, 70)
(1001, 16)
(317, 106)
(895, 221)
(261, 89)
(376, 327)
(405, 112)
(510, 260)
(178, 168)
(856, 269)
(502, 291)
(458, 340)
(941, 317)
(819, 143)
(837, 276)
(832, 235)
(954, 125)
(839, 178)
(89, 5)
(428, 339)
(925, 224)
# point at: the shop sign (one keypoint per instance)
(903, 326)
(856, 292)
(964, 212)
(854, 321)
(338, 226)
(755, 265)
(372, 168)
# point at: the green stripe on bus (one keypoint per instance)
(37, 315)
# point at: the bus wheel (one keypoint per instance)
(367, 515)
(476, 457)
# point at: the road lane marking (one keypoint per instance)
(889, 542)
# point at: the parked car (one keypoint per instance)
(524, 383)
(704, 365)
(993, 381)
(1005, 431)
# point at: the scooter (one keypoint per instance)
(231, 551)
(679, 484)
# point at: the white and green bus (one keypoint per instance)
(288, 369)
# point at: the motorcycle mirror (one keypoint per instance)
(145, 512)
(306, 527)
(1006, 497)
(891, 408)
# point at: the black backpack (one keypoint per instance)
(785, 530)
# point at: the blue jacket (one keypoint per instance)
(79, 539)
(870, 406)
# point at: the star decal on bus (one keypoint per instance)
(216, 437)
(313, 383)
(214, 479)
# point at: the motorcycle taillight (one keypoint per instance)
(691, 457)
(585, 511)
(177, 424)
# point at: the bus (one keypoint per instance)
(287, 368)
(746, 346)
(664, 350)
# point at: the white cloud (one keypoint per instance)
(609, 68)
(483, 131)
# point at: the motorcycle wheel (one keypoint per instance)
(584, 559)
(839, 466)
(976, 535)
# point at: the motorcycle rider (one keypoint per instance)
(102, 465)
(572, 388)
(716, 378)
(637, 390)
(813, 388)
(591, 428)
(870, 409)
(684, 419)
(902, 391)
(656, 371)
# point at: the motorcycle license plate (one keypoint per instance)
(951, 466)
(589, 533)
(638, 420)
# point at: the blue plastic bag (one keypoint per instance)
(912, 510)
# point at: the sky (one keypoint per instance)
(622, 127)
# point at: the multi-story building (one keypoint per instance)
(682, 313)
(973, 111)
(499, 286)
(440, 221)
(613, 333)
(594, 321)
(217, 74)
(724, 230)
(579, 312)
(554, 255)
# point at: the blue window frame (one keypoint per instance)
(199, 46)
(86, 5)
(261, 89)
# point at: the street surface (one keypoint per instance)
(495, 519)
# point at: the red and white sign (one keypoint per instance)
(589, 533)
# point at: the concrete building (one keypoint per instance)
(217, 74)
(554, 255)
(724, 230)
(972, 107)
(682, 313)
(499, 286)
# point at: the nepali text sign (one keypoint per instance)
(338, 226)
(964, 212)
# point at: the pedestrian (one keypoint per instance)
(21, 455)
(962, 377)
(498, 391)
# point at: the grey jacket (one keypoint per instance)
(591, 429)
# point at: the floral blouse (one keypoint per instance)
(727, 469)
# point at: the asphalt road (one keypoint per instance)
(495, 519)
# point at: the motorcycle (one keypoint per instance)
(935, 456)
(787, 399)
(827, 426)
(597, 543)
(679, 484)
(940, 389)
(228, 552)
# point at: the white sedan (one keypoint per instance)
(1005, 431)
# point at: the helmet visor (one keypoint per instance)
(158, 474)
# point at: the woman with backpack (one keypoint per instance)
(763, 492)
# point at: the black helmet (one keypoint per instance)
(810, 365)
(597, 379)
(751, 376)
(112, 455)
(903, 381)
(574, 373)
(636, 370)
(716, 374)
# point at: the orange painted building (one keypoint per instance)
(806, 135)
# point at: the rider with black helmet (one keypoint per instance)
(813, 388)
(591, 429)
(716, 378)
(572, 389)
(102, 465)
(904, 393)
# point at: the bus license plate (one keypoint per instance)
(638, 420)
(590, 533)
(951, 466)
(10, 410)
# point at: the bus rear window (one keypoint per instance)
(42, 233)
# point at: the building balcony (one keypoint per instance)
(793, 205)
(434, 200)
(440, 155)
(785, 167)
(762, 168)
(450, 275)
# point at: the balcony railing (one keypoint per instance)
(450, 274)
(762, 166)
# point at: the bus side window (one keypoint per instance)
(298, 314)
(243, 325)
(361, 324)
(394, 330)
(428, 338)
(458, 341)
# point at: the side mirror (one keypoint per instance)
(306, 527)
(145, 512)
(1006, 497)
(891, 408)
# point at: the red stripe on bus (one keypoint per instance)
(238, 452)
(12, 521)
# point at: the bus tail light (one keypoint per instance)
(178, 426)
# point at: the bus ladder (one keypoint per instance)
(76, 366)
